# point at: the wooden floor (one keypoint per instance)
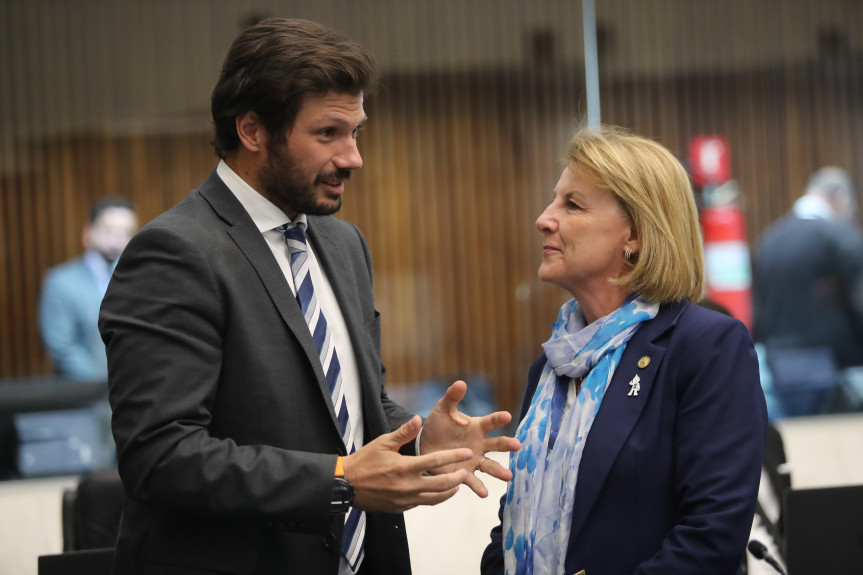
(449, 538)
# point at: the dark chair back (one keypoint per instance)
(91, 513)
(86, 562)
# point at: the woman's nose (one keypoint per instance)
(545, 222)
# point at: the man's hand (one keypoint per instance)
(447, 428)
(385, 480)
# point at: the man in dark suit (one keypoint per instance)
(255, 435)
(808, 296)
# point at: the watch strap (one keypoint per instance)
(342, 495)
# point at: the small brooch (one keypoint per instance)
(634, 386)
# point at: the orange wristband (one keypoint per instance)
(340, 470)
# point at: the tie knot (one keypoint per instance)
(295, 236)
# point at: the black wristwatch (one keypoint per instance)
(343, 495)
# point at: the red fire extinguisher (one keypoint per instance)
(723, 226)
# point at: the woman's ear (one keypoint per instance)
(633, 242)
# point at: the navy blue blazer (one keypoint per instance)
(669, 477)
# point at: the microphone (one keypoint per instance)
(759, 550)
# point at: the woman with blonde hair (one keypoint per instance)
(643, 423)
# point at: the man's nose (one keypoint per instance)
(349, 157)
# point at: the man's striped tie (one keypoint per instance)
(355, 520)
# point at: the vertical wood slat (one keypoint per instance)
(459, 163)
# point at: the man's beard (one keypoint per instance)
(284, 183)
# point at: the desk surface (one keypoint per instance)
(822, 451)
(48, 393)
(825, 450)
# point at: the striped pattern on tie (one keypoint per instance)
(355, 520)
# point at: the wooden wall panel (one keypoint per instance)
(458, 165)
(45, 207)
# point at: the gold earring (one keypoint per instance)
(627, 253)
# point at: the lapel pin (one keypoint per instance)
(634, 386)
(643, 362)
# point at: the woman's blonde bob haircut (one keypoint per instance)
(655, 193)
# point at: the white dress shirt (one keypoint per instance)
(267, 217)
(100, 269)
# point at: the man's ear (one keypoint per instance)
(87, 235)
(252, 134)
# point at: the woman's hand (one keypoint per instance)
(447, 428)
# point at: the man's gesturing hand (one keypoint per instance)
(385, 480)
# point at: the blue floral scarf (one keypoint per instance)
(538, 510)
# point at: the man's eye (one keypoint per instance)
(328, 132)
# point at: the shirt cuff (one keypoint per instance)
(417, 440)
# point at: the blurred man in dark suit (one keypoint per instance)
(808, 295)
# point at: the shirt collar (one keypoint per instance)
(99, 267)
(264, 213)
(813, 208)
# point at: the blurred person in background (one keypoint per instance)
(808, 296)
(643, 424)
(72, 293)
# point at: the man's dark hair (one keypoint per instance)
(109, 202)
(273, 65)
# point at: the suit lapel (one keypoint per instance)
(619, 412)
(339, 271)
(248, 238)
(342, 277)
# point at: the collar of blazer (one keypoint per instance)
(248, 239)
(609, 432)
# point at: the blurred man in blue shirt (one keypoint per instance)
(73, 291)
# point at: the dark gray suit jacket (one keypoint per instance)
(225, 432)
(808, 288)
